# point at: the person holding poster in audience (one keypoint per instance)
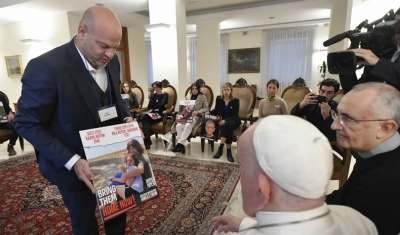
(227, 107)
(183, 130)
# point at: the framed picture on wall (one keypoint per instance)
(245, 60)
(14, 66)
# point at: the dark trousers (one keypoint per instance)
(147, 122)
(226, 130)
(82, 206)
(14, 133)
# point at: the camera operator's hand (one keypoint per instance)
(369, 57)
(325, 110)
(310, 98)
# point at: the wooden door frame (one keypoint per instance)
(124, 49)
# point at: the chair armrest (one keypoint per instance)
(135, 110)
(168, 110)
(141, 110)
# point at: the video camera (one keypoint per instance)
(379, 38)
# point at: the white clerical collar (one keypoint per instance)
(269, 218)
(310, 221)
(386, 146)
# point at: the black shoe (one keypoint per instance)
(177, 148)
(147, 142)
(183, 150)
(165, 143)
(218, 154)
(229, 155)
(10, 150)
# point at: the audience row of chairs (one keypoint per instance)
(247, 96)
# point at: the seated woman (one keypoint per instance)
(227, 107)
(157, 104)
(183, 130)
(273, 104)
(131, 102)
(7, 118)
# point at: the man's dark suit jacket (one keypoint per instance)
(58, 100)
(373, 189)
(384, 71)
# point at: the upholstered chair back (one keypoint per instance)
(137, 90)
(294, 94)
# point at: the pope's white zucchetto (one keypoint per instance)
(294, 154)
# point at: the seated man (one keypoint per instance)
(319, 114)
(366, 122)
(285, 168)
(8, 124)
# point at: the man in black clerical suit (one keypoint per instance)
(366, 121)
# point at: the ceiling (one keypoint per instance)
(233, 14)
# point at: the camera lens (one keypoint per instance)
(342, 62)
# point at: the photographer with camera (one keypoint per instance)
(317, 108)
(376, 69)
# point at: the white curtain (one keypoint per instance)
(224, 44)
(149, 63)
(287, 56)
(191, 45)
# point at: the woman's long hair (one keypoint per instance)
(130, 92)
(197, 85)
(136, 145)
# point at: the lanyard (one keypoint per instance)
(94, 88)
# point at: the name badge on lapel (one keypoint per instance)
(277, 106)
(107, 113)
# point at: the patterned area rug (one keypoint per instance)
(191, 193)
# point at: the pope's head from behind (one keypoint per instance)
(285, 165)
(99, 35)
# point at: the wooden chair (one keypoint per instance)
(294, 94)
(138, 91)
(248, 98)
(169, 113)
(207, 91)
(341, 163)
(339, 96)
(5, 135)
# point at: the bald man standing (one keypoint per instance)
(64, 92)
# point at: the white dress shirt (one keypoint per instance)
(100, 76)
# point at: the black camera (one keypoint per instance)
(321, 99)
(379, 39)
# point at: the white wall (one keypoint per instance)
(53, 30)
(239, 41)
(320, 54)
(138, 60)
(254, 39)
(73, 23)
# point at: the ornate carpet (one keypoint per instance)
(191, 193)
